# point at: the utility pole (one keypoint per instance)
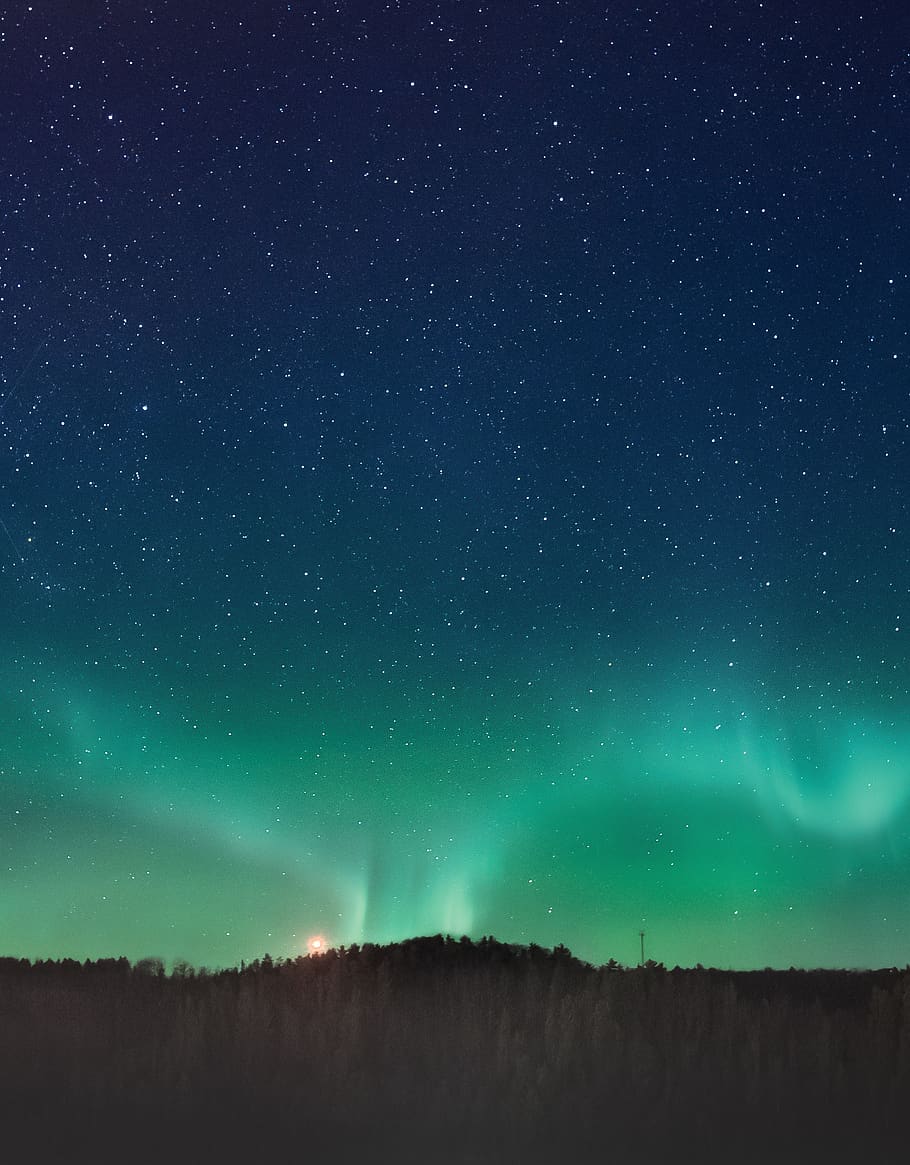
(641, 935)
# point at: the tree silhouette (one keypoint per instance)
(444, 1050)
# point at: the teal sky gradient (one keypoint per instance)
(454, 478)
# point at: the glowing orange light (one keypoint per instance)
(316, 945)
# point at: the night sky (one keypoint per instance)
(455, 478)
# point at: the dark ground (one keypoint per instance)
(437, 1051)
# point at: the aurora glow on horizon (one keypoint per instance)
(454, 479)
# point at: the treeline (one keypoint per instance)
(442, 1050)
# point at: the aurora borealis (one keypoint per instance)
(454, 478)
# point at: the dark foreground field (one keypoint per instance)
(439, 1051)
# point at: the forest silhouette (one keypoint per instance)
(440, 1050)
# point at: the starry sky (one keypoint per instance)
(454, 478)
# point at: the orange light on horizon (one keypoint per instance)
(316, 945)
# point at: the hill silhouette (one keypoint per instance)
(445, 1050)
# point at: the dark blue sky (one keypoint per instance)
(454, 478)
